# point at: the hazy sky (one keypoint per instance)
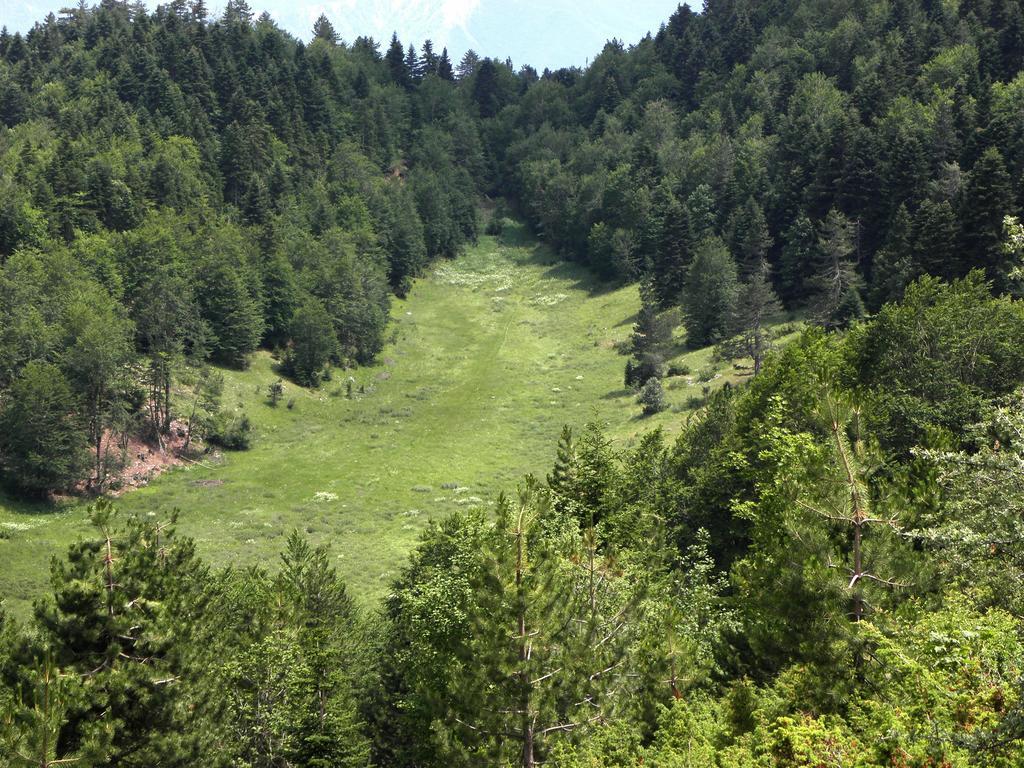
(544, 33)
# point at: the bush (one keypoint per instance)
(706, 374)
(649, 366)
(233, 433)
(652, 397)
(679, 369)
(275, 391)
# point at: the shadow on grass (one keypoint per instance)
(582, 277)
(615, 394)
(15, 504)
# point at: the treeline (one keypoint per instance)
(177, 190)
(824, 568)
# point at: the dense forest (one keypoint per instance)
(824, 568)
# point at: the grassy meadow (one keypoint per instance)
(489, 356)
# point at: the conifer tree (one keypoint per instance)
(988, 198)
(835, 283)
(467, 65)
(749, 239)
(413, 65)
(444, 67)
(428, 59)
(893, 266)
(673, 253)
(710, 294)
(800, 252)
(757, 307)
(395, 59)
(548, 653)
(324, 30)
(933, 239)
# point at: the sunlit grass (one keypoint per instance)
(491, 354)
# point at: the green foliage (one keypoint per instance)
(652, 397)
(232, 431)
(973, 345)
(710, 294)
(42, 442)
(314, 344)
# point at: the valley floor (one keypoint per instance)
(490, 355)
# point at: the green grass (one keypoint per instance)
(490, 355)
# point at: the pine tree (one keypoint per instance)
(933, 240)
(701, 215)
(652, 397)
(324, 30)
(116, 620)
(757, 307)
(710, 294)
(313, 343)
(673, 254)
(428, 59)
(485, 89)
(562, 479)
(548, 653)
(800, 253)
(468, 65)
(412, 64)
(988, 198)
(651, 333)
(395, 59)
(444, 67)
(749, 239)
(835, 285)
(893, 266)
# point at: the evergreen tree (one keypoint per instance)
(413, 65)
(313, 343)
(444, 67)
(835, 284)
(324, 30)
(701, 216)
(800, 252)
(710, 294)
(893, 266)
(395, 59)
(652, 397)
(485, 88)
(548, 648)
(934, 240)
(230, 311)
(988, 198)
(429, 60)
(118, 619)
(757, 307)
(749, 239)
(467, 65)
(672, 257)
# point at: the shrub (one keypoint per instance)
(649, 366)
(706, 374)
(652, 397)
(231, 432)
(275, 391)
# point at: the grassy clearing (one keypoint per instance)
(490, 355)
